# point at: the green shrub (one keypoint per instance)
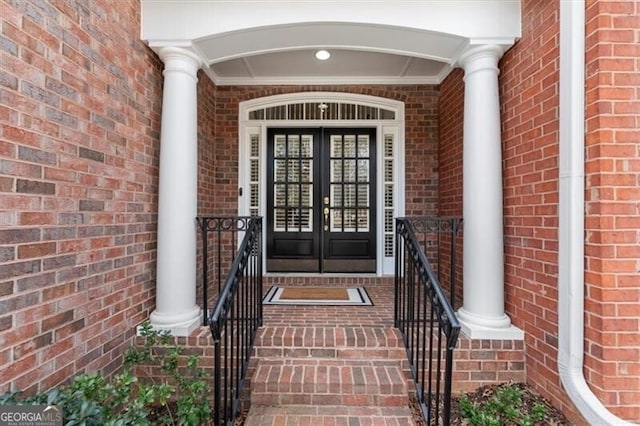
(504, 408)
(125, 400)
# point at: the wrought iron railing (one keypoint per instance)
(439, 237)
(219, 246)
(234, 320)
(428, 325)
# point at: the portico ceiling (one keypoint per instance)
(371, 42)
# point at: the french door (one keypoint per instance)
(321, 198)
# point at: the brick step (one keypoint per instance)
(328, 415)
(343, 342)
(329, 382)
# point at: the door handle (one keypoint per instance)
(326, 218)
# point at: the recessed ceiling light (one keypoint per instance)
(323, 55)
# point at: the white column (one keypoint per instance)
(482, 314)
(176, 308)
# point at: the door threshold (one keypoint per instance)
(324, 275)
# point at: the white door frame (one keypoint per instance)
(391, 129)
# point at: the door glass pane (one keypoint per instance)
(349, 195)
(254, 171)
(294, 197)
(363, 146)
(388, 195)
(293, 220)
(349, 170)
(363, 195)
(336, 170)
(293, 170)
(306, 172)
(306, 220)
(279, 171)
(336, 195)
(280, 146)
(279, 195)
(336, 146)
(363, 220)
(349, 220)
(306, 146)
(349, 146)
(363, 170)
(294, 146)
(280, 219)
(336, 220)
(388, 169)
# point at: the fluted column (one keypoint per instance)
(482, 314)
(176, 308)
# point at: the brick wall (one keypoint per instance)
(612, 221)
(529, 85)
(450, 126)
(530, 131)
(206, 145)
(80, 100)
(420, 139)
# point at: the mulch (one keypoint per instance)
(530, 397)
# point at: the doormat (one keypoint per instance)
(330, 296)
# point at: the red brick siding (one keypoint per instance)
(529, 93)
(206, 144)
(420, 139)
(529, 84)
(80, 100)
(450, 126)
(612, 250)
(206, 170)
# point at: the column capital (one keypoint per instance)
(180, 60)
(477, 58)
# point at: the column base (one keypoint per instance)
(476, 327)
(180, 324)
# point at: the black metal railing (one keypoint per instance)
(428, 325)
(234, 320)
(219, 246)
(439, 237)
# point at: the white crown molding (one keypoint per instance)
(333, 80)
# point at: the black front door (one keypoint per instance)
(321, 200)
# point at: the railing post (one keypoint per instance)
(216, 380)
(204, 224)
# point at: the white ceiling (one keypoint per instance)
(344, 66)
(382, 42)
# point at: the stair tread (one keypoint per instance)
(283, 382)
(308, 376)
(342, 342)
(264, 415)
(329, 337)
